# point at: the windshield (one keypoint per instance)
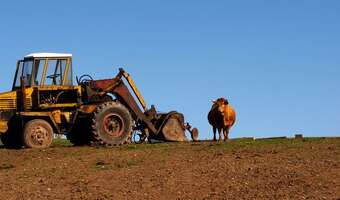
(24, 71)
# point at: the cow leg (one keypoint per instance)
(214, 129)
(220, 134)
(226, 134)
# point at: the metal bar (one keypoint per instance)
(66, 71)
(124, 95)
(42, 83)
(134, 89)
(23, 93)
(16, 74)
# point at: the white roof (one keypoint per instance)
(48, 55)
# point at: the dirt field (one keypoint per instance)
(272, 169)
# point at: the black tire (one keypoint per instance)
(12, 138)
(112, 124)
(81, 133)
(37, 134)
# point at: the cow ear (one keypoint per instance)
(213, 101)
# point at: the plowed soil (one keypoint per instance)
(266, 169)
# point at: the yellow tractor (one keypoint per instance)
(44, 101)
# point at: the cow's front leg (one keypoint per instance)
(214, 130)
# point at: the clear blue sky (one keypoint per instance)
(277, 62)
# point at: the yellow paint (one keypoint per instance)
(56, 114)
(67, 116)
(87, 108)
(3, 126)
(58, 105)
(135, 90)
(8, 100)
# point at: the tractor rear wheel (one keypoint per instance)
(37, 134)
(112, 124)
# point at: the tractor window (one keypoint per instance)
(27, 72)
(55, 72)
(51, 77)
(19, 74)
(38, 70)
(24, 71)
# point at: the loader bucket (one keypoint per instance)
(173, 129)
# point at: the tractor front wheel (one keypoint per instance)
(112, 124)
(38, 134)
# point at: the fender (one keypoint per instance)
(43, 115)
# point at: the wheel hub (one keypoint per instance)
(113, 125)
(39, 135)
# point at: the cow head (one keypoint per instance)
(221, 103)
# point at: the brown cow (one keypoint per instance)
(221, 117)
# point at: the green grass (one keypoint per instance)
(61, 143)
(163, 145)
(269, 143)
(232, 144)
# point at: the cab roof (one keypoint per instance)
(48, 55)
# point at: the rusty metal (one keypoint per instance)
(117, 87)
(88, 109)
(194, 133)
(113, 125)
(152, 125)
(173, 130)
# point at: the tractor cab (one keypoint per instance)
(47, 80)
(44, 69)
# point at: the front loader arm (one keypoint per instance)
(116, 81)
(123, 94)
(117, 87)
(161, 126)
(134, 89)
